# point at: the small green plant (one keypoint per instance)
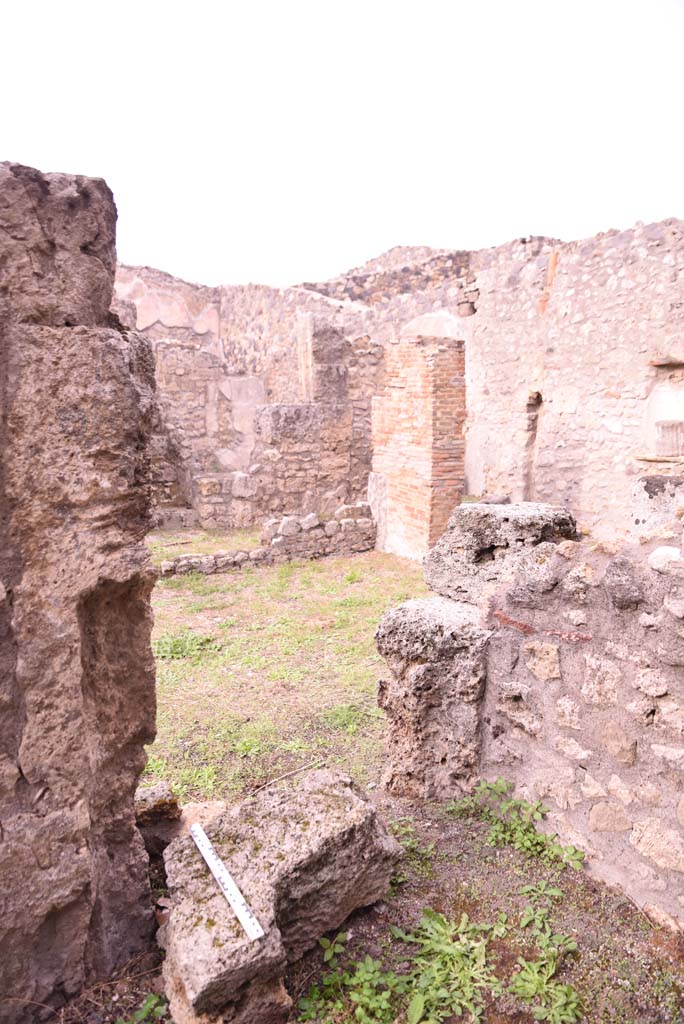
(373, 991)
(450, 973)
(346, 717)
(332, 947)
(513, 823)
(186, 644)
(541, 891)
(552, 1001)
(154, 1008)
(419, 857)
(538, 919)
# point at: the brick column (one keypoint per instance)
(418, 443)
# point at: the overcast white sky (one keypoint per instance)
(275, 142)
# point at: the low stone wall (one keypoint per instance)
(349, 531)
(560, 666)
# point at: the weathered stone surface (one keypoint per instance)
(569, 747)
(674, 605)
(304, 857)
(590, 787)
(672, 755)
(76, 670)
(157, 813)
(153, 803)
(680, 811)
(667, 560)
(310, 521)
(670, 715)
(607, 817)
(658, 843)
(619, 745)
(58, 254)
(618, 788)
(289, 526)
(651, 682)
(435, 650)
(482, 543)
(623, 583)
(568, 713)
(600, 684)
(542, 659)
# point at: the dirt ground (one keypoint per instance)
(273, 669)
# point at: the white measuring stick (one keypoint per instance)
(230, 890)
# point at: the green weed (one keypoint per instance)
(185, 644)
(512, 823)
(346, 717)
(152, 1009)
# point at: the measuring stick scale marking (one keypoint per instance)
(228, 887)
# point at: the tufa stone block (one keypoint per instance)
(482, 540)
(304, 856)
(435, 650)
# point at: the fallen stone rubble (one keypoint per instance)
(304, 856)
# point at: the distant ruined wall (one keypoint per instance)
(575, 368)
(560, 667)
(77, 701)
(239, 371)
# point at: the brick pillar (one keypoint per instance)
(418, 443)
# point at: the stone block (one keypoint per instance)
(331, 528)
(623, 583)
(304, 857)
(482, 540)
(601, 679)
(269, 530)
(571, 748)
(663, 845)
(436, 653)
(244, 485)
(58, 247)
(609, 817)
(651, 682)
(667, 561)
(361, 510)
(289, 526)
(619, 745)
(310, 521)
(542, 659)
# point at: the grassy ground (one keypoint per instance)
(265, 671)
(165, 544)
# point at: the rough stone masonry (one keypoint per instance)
(558, 664)
(77, 697)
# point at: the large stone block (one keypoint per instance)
(483, 542)
(57, 247)
(304, 857)
(76, 670)
(436, 652)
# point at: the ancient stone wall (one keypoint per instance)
(347, 532)
(575, 369)
(417, 436)
(247, 380)
(574, 365)
(77, 697)
(558, 665)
